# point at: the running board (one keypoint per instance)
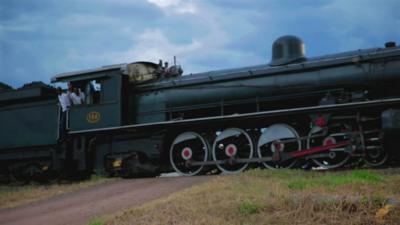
(235, 117)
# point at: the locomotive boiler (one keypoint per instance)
(330, 111)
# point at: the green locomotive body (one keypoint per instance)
(138, 119)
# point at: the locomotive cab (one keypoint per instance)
(102, 105)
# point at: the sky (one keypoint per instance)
(42, 38)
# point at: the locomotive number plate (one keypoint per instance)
(93, 117)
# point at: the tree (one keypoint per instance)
(4, 86)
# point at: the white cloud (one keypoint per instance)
(200, 52)
(86, 21)
(19, 28)
(204, 35)
(175, 6)
(153, 45)
(22, 23)
(165, 3)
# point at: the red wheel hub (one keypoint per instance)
(277, 147)
(321, 122)
(187, 153)
(231, 150)
(329, 141)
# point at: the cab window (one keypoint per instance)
(92, 92)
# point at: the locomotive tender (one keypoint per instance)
(327, 111)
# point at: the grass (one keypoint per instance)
(275, 197)
(332, 180)
(248, 207)
(12, 196)
(96, 221)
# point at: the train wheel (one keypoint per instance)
(188, 147)
(375, 153)
(376, 156)
(20, 177)
(334, 158)
(269, 143)
(230, 145)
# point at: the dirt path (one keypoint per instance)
(78, 207)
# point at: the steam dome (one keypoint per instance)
(287, 49)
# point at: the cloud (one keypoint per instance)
(152, 45)
(21, 28)
(165, 3)
(81, 21)
(175, 6)
(198, 55)
(42, 38)
(203, 50)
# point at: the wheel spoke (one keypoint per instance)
(187, 147)
(273, 139)
(376, 157)
(335, 157)
(231, 144)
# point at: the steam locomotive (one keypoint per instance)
(142, 118)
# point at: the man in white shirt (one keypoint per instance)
(77, 97)
(64, 100)
(65, 104)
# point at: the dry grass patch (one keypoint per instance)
(275, 197)
(11, 196)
